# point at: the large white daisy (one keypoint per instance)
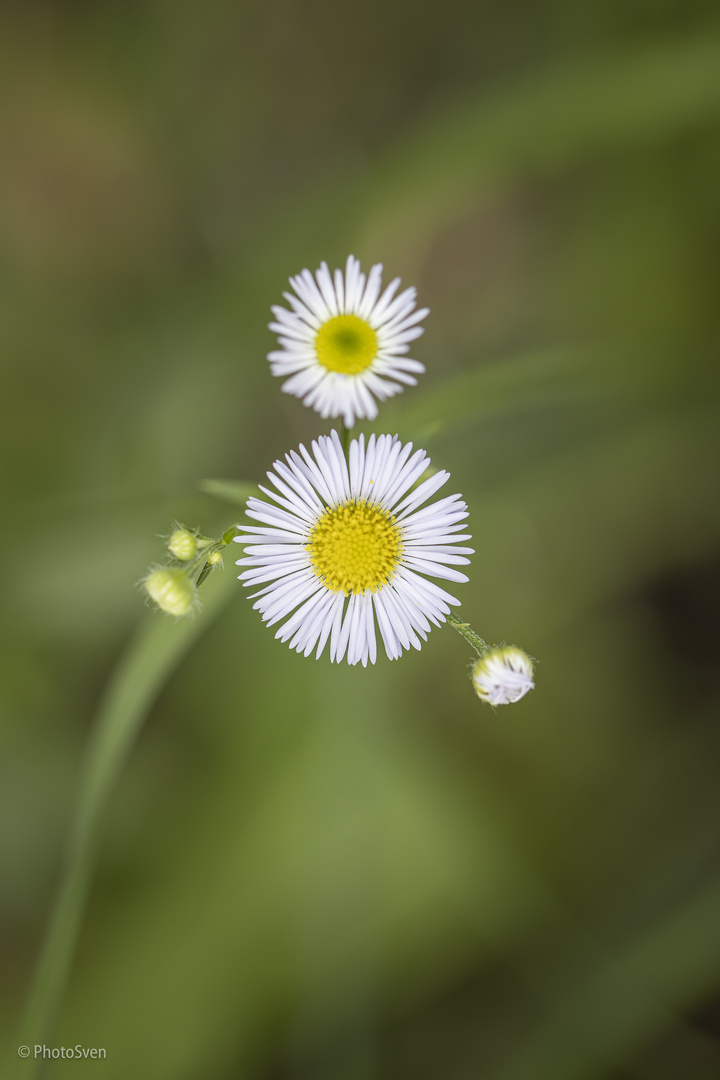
(345, 545)
(344, 344)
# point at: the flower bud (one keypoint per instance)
(503, 675)
(172, 590)
(215, 559)
(182, 544)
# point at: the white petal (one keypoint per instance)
(276, 562)
(317, 298)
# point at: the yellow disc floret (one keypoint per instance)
(355, 547)
(346, 344)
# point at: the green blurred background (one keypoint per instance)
(312, 872)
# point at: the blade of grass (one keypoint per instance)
(529, 380)
(543, 124)
(236, 492)
(626, 998)
(151, 657)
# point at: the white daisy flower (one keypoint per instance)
(503, 675)
(343, 344)
(344, 545)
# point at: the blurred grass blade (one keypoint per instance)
(236, 492)
(626, 998)
(542, 124)
(530, 380)
(151, 658)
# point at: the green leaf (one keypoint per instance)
(236, 492)
(532, 380)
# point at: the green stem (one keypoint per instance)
(469, 634)
(150, 659)
(213, 546)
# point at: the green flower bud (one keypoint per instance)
(182, 545)
(171, 589)
(215, 559)
(503, 675)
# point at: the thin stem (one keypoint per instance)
(211, 548)
(469, 634)
(142, 672)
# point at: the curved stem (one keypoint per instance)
(469, 634)
(150, 659)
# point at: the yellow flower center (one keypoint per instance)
(346, 344)
(355, 547)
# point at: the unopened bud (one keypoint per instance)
(215, 559)
(182, 545)
(503, 675)
(172, 590)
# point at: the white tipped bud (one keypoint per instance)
(503, 675)
(172, 590)
(182, 545)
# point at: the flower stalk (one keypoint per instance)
(502, 674)
(468, 633)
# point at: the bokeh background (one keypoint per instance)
(312, 872)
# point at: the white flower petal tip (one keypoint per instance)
(503, 675)
(347, 547)
(344, 343)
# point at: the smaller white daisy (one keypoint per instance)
(344, 545)
(344, 344)
(503, 675)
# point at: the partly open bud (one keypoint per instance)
(182, 545)
(503, 675)
(171, 589)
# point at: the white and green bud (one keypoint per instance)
(171, 589)
(503, 675)
(215, 559)
(183, 545)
